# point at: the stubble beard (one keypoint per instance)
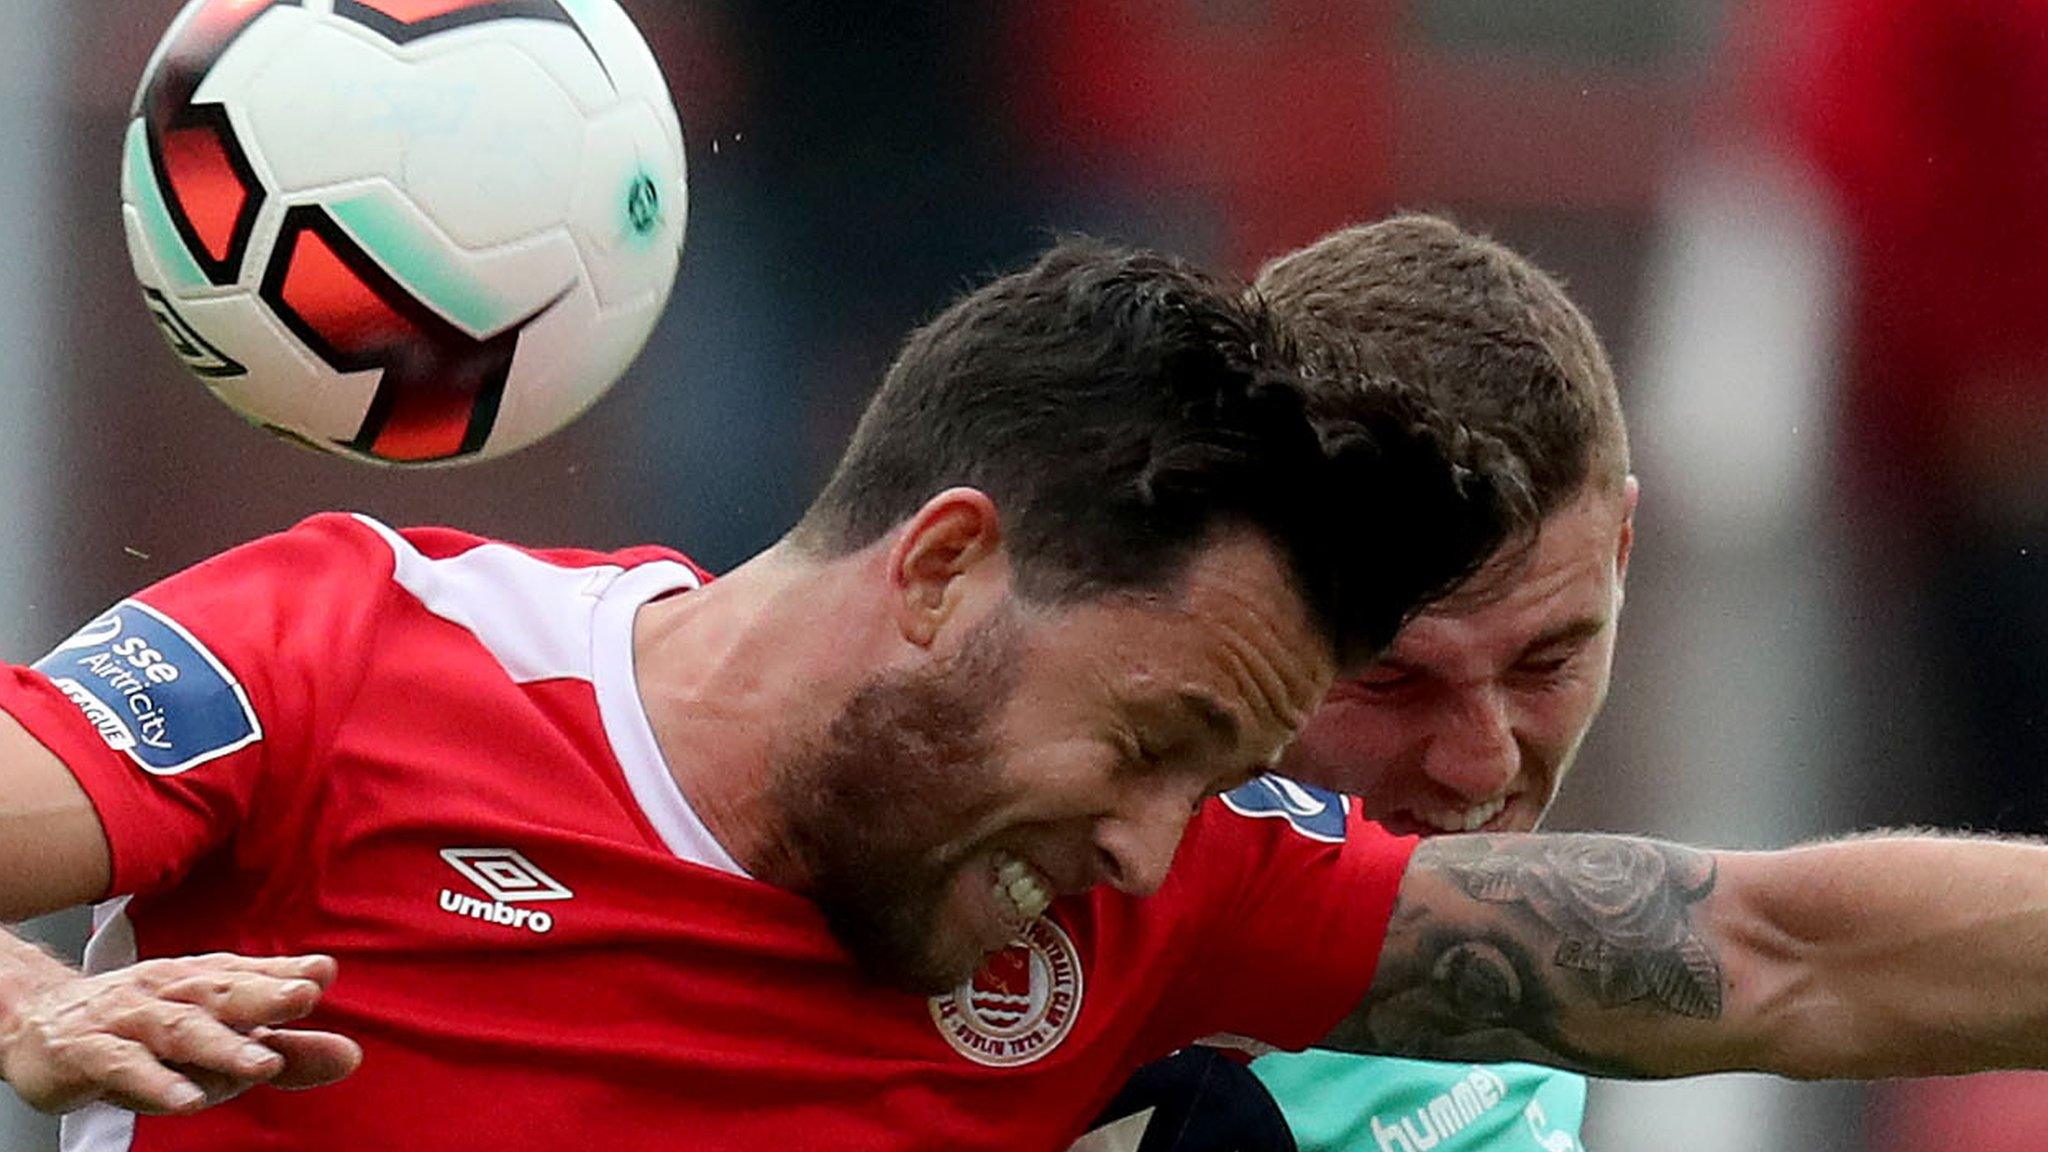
(908, 765)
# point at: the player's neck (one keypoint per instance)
(739, 676)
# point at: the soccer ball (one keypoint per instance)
(406, 231)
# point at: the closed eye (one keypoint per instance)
(1544, 665)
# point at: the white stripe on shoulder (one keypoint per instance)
(533, 616)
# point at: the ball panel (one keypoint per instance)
(347, 322)
(319, 111)
(483, 293)
(628, 213)
(440, 387)
(477, 133)
(403, 21)
(204, 181)
(507, 126)
(627, 59)
(196, 42)
(227, 78)
(567, 359)
(558, 50)
(158, 251)
(214, 191)
(200, 352)
(283, 385)
(205, 360)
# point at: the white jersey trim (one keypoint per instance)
(543, 621)
(513, 603)
(103, 1127)
(626, 723)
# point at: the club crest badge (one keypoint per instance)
(1020, 1005)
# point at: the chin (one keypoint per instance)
(938, 971)
(929, 946)
(946, 956)
(928, 973)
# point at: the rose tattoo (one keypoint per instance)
(1620, 910)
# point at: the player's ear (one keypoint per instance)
(948, 553)
(1625, 540)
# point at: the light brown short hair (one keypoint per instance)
(1491, 338)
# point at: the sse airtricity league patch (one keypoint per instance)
(152, 689)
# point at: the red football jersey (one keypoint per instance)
(425, 754)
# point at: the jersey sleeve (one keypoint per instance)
(187, 707)
(1289, 890)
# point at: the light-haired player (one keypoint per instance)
(1473, 717)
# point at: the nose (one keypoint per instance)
(1135, 844)
(1473, 751)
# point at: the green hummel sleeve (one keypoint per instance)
(1341, 1103)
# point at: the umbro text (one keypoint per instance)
(496, 912)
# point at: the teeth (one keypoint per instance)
(1468, 820)
(1021, 887)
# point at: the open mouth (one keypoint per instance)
(1022, 892)
(1482, 817)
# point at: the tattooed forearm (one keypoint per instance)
(1620, 911)
(1500, 941)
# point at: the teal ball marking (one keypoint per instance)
(643, 205)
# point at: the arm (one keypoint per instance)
(164, 1035)
(53, 852)
(1896, 956)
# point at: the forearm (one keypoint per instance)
(53, 849)
(1893, 956)
(1592, 953)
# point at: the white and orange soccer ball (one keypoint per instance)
(406, 231)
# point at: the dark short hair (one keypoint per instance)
(1491, 338)
(1120, 407)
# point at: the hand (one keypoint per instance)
(172, 1035)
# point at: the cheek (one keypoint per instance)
(1060, 778)
(1349, 746)
(1552, 723)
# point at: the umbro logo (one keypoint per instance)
(509, 879)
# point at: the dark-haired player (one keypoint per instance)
(587, 849)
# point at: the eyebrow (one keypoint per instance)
(1172, 712)
(1219, 720)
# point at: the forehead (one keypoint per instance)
(1233, 635)
(1568, 577)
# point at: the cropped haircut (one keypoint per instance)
(1489, 337)
(1120, 408)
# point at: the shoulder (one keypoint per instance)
(540, 613)
(1274, 817)
(459, 574)
(1313, 813)
(1275, 842)
(436, 543)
